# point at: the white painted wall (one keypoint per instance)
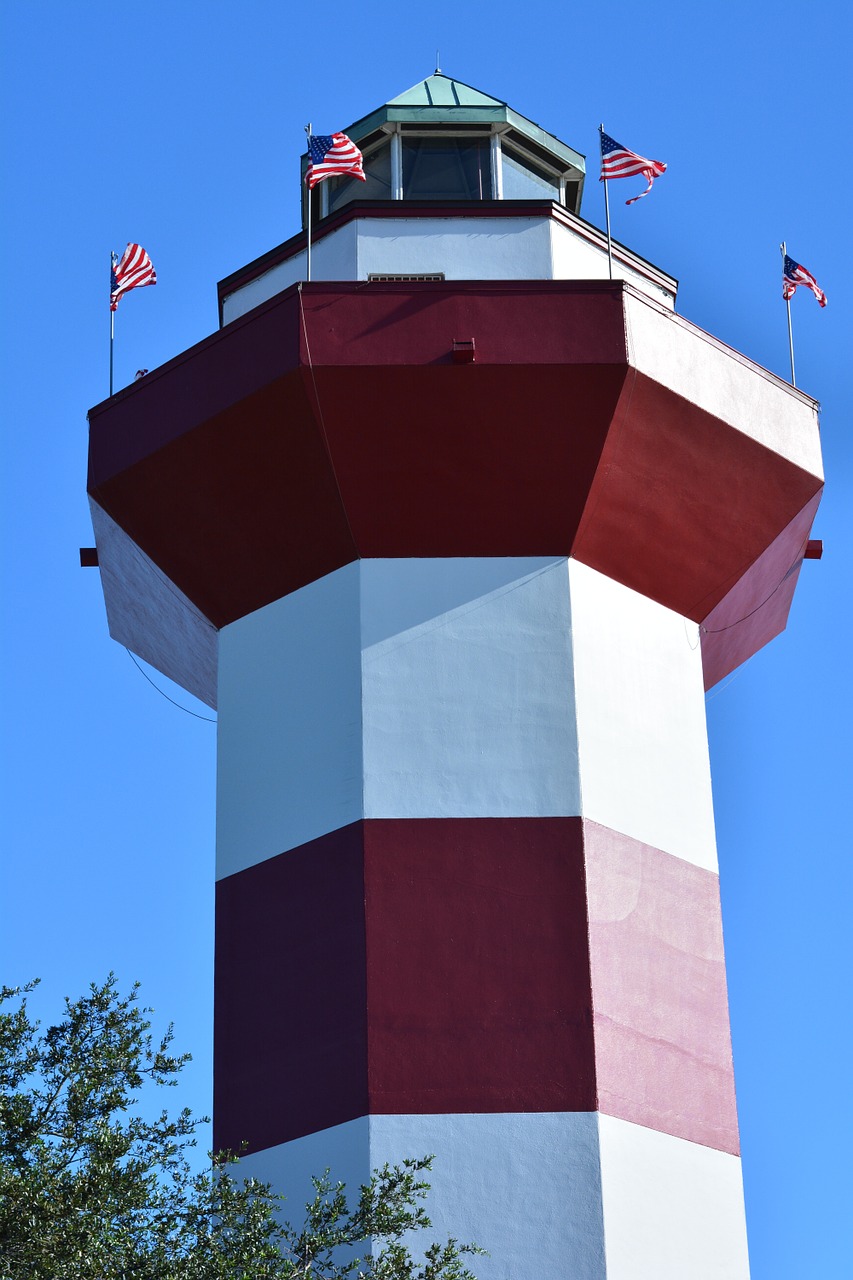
(289, 758)
(706, 372)
(468, 701)
(551, 1195)
(644, 766)
(456, 672)
(343, 1149)
(504, 687)
(673, 1210)
(264, 287)
(524, 1186)
(464, 248)
(575, 258)
(332, 258)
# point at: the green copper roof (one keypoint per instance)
(440, 90)
(442, 100)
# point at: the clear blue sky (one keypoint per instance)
(179, 125)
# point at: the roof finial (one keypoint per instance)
(438, 70)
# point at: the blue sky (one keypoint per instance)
(180, 125)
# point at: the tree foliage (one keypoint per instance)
(91, 1189)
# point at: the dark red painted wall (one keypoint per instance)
(477, 966)
(472, 994)
(290, 1026)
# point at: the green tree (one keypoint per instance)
(90, 1189)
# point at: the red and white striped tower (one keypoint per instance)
(456, 559)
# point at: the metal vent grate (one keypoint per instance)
(375, 278)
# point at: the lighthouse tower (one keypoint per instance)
(455, 537)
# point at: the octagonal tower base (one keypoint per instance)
(474, 910)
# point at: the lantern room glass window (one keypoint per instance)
(446, 168)
(377, 183)
(523, 179)
(426, 162)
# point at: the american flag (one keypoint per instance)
(618, 162)
(330, 155)
(793, 274)
(134, 270)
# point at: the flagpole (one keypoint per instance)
(606, 212)
(112, 322)
(308, 275)
(783, 249)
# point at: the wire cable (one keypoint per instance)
(721, 688)
(715, 631)
(163, 694)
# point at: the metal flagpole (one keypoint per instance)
(112, 320)
(308, 277)
(606, 208)
(783, 248)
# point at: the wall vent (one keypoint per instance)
(375, 278)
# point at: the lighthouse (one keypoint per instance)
(455, 536)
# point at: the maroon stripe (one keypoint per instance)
(290, 1008)
(477, 980)
(478, 970)
(418, 966)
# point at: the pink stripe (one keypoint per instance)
(662, 1045)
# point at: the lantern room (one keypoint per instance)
(442, 140)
